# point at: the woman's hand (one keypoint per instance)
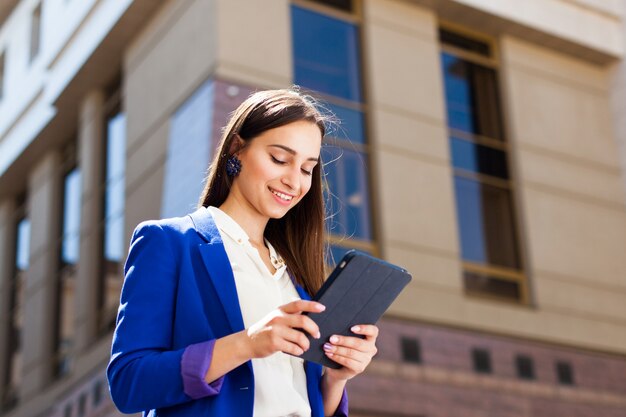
(352, 352)
(282, 330)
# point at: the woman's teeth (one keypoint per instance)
(282, 196)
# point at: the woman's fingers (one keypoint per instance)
(299, 306)
(367, 330)
(353, 364)
(305, 323)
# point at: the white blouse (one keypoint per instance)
(279, 379)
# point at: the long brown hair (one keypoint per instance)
(299, 235)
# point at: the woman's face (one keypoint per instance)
(277, 167)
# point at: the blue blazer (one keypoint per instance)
(179, 290)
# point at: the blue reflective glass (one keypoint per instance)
(114, 192)
(349, 211)
(351, 124)
(326, 54)
(71, 217)
(339, 251)
(22, 245)
(478, 158)
(188, 153)
(472, 98)
(484, 216)
(458, 93)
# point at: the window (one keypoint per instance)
(483, 188)
(35, 32)
(69, 253)
(481, 360)
(82, 405)
(114, 247)
(13, 364)
(345, 5)
(189, 152)
(1, 75)
(98, 388)
(564, 373)
(525, 367)
(411, 351)
(327, 61)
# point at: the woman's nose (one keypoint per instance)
(290, 179)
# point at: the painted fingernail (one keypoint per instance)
(327, 346)
(318, 335)
(329, 354)
(334, 339)
(356, 329)
(320, 307)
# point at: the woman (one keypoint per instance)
(210, 319)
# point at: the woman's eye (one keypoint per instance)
(305, 172)
(277, 161)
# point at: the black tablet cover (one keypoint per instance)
(358, 291)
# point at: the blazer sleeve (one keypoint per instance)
(143, 372)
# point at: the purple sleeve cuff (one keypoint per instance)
(342, 408)
(194, 366)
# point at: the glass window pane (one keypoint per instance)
(477, 158)
(485, 219)
(351, 124)
(1, 75)
(114, 193)
(23, 245)
(71, 218)
(35, 32)
(485, 284)
(459, 41)
(326, 54)
(345, 5)
(346, 174)
(471, 97)
(189, 152)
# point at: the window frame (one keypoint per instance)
(34, 48)
(491, 61)
(112, 107)
(354, 17)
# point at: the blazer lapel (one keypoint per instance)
(218, 267)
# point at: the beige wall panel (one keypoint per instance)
(144, 203)
(543, 170)
(148, 154)
(144, 179)
(521, 55)
(429, 269)
(250, 49)
(451, 308)
(563, 119)
(417, 203)
(405, 132)
(613, 7)
(576, 238)
(8, 230)
(583, 300)
(169, 59)
(404, 69)
(565, 19)
(403, 16)
(44, 211)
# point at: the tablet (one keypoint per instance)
(358, 291)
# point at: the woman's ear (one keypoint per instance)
(236, 145)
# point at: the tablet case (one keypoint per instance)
(358, 291)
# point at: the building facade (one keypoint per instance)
(481, 145)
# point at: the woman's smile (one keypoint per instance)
(282, 198)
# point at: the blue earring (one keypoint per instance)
(233, 166)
